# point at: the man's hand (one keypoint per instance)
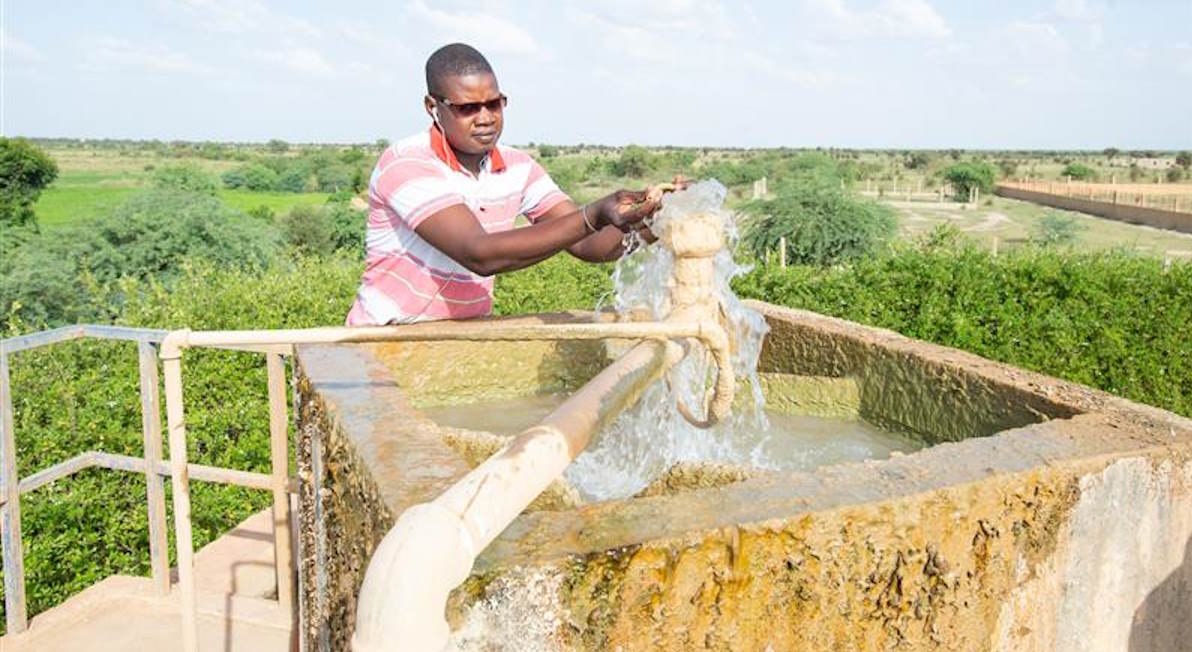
(624, 209)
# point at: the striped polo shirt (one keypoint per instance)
(406, 279)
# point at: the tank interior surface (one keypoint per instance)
(1024, 513)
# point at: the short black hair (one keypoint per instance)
(453, 60)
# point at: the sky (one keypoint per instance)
(1066, 74)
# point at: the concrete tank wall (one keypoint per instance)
(1051, 515)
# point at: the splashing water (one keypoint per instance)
(651, 437)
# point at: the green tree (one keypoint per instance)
(1111, 152)
(1184, 160)
(917, 161)
(966, 176)
(184, 176)
(24, 171)
(547, 151)
(1056, 229)
(634, 161)
(1174, 174)
(1078, 171)
(252, 176)
(277, 146)
(822, 224)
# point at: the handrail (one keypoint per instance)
(176, 342)
(150, 464)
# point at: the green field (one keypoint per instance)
(93, 183)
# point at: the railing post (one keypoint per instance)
(180, 482)
(283, 554)
(10, 514)
(159, 555)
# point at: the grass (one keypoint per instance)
(59, 206)
(91, 183)
(278, 202)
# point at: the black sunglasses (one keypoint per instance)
(469, 109)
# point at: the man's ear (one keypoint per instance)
(429, 103)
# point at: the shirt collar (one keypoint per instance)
(439, 145)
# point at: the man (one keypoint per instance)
(442, 205)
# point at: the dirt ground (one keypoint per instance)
(1002, 222)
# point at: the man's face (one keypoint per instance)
(468, 117)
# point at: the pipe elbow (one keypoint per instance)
(403, 600)
(173, 343)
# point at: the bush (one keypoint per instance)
(547, 151)
(966, 176)
(1079, 171)
(634, 161)
(1174, 175)
(81, 396)
(252, 176)
(187, 176)
(25, 169)
(822, 224)
(1056, 229)
(68, 275)
(323, 230)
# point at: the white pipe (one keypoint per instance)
(433, 545)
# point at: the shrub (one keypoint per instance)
(252, 176)
(186, 176)
(547, 151)
(1079, 171)
(25, 169)
(634, 161)
(822, 224)
(325, 229)
(1173, 175)
(69, 274)
(1056, 229)
(966, 176)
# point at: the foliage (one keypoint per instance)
(557, 283)
(966, 176)
(822, 224)
(547, 151)
(184, 176)
(65, 276)
(1056, 229)
(325, 229)
(917, 161)
(251, 176)
(1111, 320)
(634, 161)
(1079, 171)
(1174, 175)
(81, 396)
(1184, 160)
(25, 169)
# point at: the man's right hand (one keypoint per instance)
(625, 209)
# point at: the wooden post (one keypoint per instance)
(782, 252)
(15, 619)
(180, 483)
(283, 553)
(159, 553)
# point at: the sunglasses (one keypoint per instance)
(469, 109)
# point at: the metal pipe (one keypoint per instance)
(432, 547)
(10, 513)
(171, 356)
(155, 497)
(280, 466)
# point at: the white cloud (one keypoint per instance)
(890, 18)
(1032, 40)
(1079, 11)
(485, 31)
(110, 54)
(18, 49)
(304, 61)
(241, 17)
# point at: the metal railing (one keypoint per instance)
(150, 464)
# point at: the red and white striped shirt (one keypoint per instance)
(406, 279)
